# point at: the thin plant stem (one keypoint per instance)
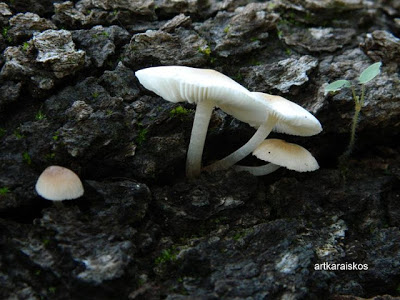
(353, 91)
(353, 129)
(362, 95)
(358, 105)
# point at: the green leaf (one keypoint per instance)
(337, 85)
(370, 73)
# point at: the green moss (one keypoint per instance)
(238, 77)
(4, 190)
(179, 112)
(18, 135)
(25, 46)
(308, 17)
(255, 62)
(221, 220)
(26, 158)
(141, 137)
(167, 255)
(40, 115)
(241, 233)
(206, 50)
(97, 35)
(290, 20)
(95, 95)
(55, 136)
(4, 33)
(238, 236)
(50, 156)
(2, 132)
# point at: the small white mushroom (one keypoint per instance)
(283, 116)
(208, 89)
(281, 154)
(58, 183)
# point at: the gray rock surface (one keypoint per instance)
(56, 48)
(382, 46)
(42, 61)
(184, 46)
(23, 26)
(316, 39)
(100, 43)
(5, 13)
(239, 32)
(281, 75)
(9, 92)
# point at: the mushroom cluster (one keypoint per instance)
(208, 89)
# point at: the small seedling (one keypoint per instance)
(367, 75)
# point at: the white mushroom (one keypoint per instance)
(281, 154)
(206, 88)
(283, 116)
(58, 183)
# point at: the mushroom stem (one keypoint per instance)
(202, 118)
(261, 134)
(260, 170)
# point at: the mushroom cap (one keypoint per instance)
(291, 156)
(180, 83)
(58, 183)
(292, 118)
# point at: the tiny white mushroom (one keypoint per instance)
(208, 89)
(58, 183)
(283, 116)
(281, 154)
